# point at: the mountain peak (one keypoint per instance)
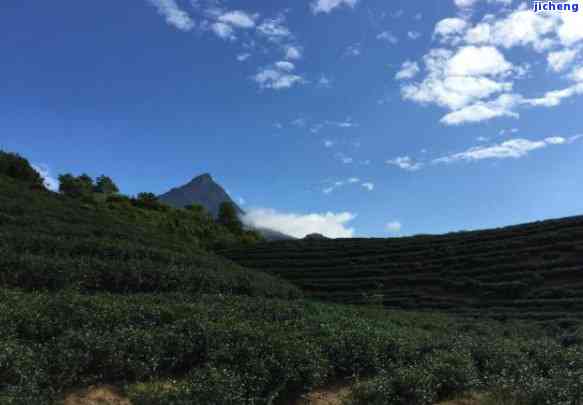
(202, 177)
(202, 190)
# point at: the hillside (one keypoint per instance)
(104, 293)
(532, 271)
(54, 242)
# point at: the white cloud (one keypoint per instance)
(328, 143)
(274, 29)
(559, 60)
(555, 97)
(472, 77)
(344, 159)
(243, 56)
(324, 82)
(368, 185)
(388, 37)
(352, 50)
(278, 76)
(513, 148)
(408, 70)
(342, 124)
(491, 62)
(326, 6)
(470, 3)
(449, 29)
(174, 16)
(353, 180)
(293, 52)
(332, 225)
(238, 18)
(224, 31)
(508, 131)
(299, 122)
(577, 74)
(405, 163)
(285, 66)
(453, 86)
(414, 35)
(50, 182)
(481, 111)
(393, 227)
(241, 201)
(571, 29)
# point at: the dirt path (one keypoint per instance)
(97, 395)
(332, 394)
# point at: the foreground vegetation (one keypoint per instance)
(98, 291)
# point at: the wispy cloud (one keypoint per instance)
(343, 158)
(278, 76)
(408, 70)
(326, 6)
(387, 36)
(238, 18)
(275, 29)
(368, 186)
(353, 50)
(173, 14)
(405, 163)
(513, 148)
(293, 52)
(324, 82)
(351, 181)
(414, 35)
(243, 56)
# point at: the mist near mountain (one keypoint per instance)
(204, 190)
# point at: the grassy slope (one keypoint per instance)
(92, 295)
(530, 271)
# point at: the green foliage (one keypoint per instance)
(229, 218)
(105, 185)
(76, 186)
(17, 167)
(149, 201)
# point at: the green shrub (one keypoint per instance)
(408, 385)
(17, 167)
(453, 371)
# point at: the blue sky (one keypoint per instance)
(346, 117)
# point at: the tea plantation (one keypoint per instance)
(532, 271)
(97, 292)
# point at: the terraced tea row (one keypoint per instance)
(527, 271)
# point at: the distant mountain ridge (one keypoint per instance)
(203, 190)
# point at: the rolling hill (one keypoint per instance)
(532, 271)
